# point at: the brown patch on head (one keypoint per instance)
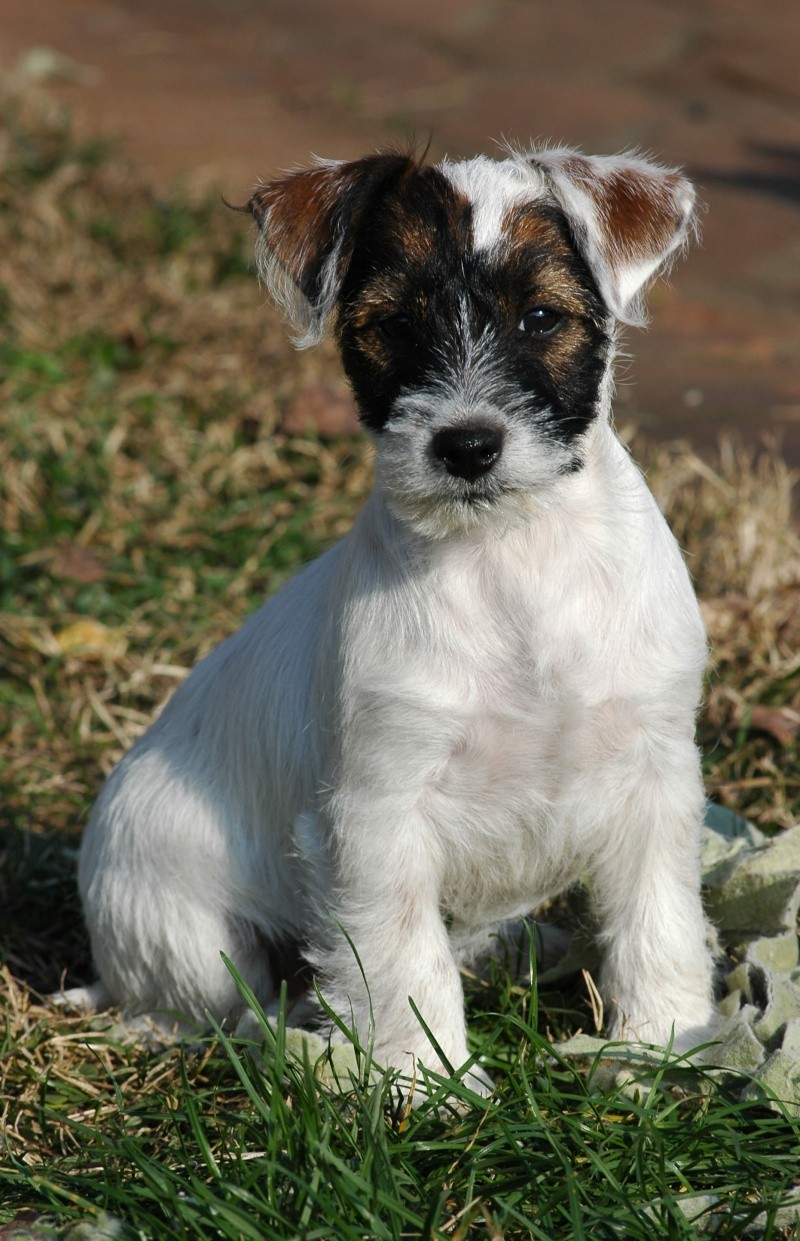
(640, 213)
(427, 211)
(532, 225)
(397, 268)
(306, 214)
(537, 242)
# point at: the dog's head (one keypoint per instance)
(474, 304)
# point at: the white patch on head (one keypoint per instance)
(493, 188)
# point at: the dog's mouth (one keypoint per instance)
(465, 483)
(474, 496)
(479, 493)
(475, 507)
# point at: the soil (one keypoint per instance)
(221, 92)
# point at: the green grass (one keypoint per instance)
(208, 1144)
(149, 501)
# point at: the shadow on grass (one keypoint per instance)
(42, 937)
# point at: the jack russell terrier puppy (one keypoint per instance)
(486, 692)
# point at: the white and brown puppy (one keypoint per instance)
(487, 690)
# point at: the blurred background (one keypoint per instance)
(216, 93)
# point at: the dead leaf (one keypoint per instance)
(90, 638)
(77, 563)
(321, 410)
(782, 723)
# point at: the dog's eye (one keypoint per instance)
(540, 321)
(396, 328)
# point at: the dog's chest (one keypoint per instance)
(521, 637)
(515, 681)
(500, 810)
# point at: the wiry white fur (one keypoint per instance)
(493, 188)
(430, 730)
(468, 391)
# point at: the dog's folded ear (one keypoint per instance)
(628, 217)
(308, 223)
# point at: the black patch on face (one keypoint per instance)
(408, 260)
(413, 258)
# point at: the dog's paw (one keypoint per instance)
(479, 1082)
(418, 1087)
(420, 1079)
(698, 1042)
(83, 1001)
(691, 1040)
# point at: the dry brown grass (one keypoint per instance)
(142, 386)
(734, 517)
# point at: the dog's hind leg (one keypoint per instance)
(177, 966)
(179, 1003)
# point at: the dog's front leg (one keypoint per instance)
(645, 878)
(384, 944)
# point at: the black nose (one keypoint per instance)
(467, 452)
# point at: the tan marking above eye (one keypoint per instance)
(528, 225)
(555, 287)
(529, 230)
(368, 312)
(558, 350)
(381, 299)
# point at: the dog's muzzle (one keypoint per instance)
(467, 452)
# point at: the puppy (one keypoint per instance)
(483, 694)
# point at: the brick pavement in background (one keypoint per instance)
(222, 91)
